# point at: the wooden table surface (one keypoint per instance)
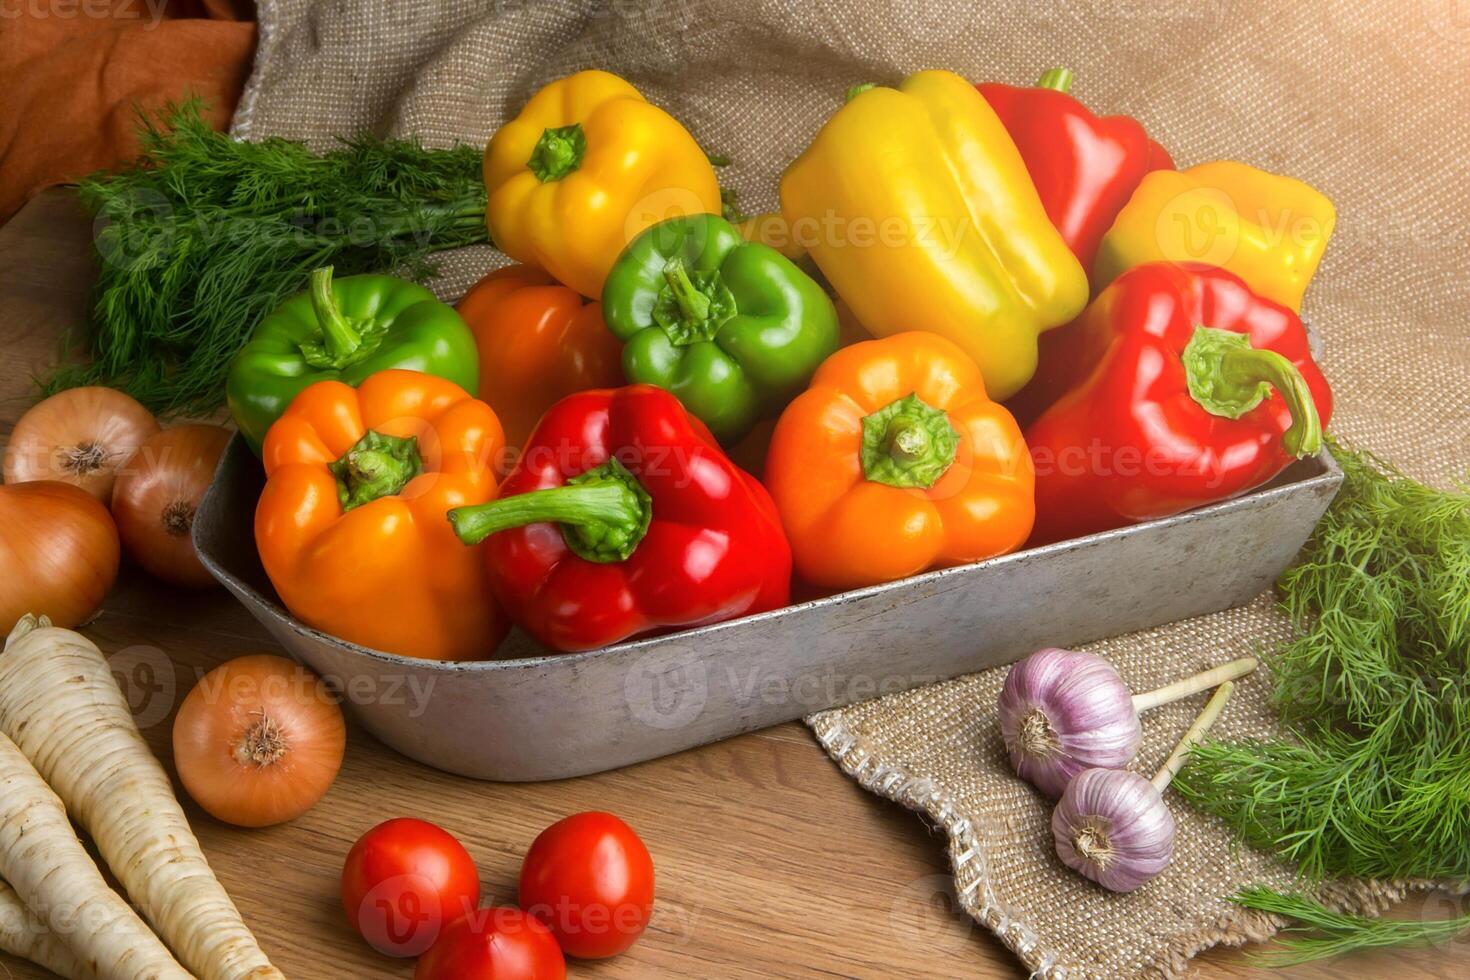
(771, 863)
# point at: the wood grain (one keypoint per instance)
(770, 862)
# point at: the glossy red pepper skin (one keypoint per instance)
(1125, 441)
(1085, 167)
(714, 549)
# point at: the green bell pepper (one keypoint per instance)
(345, 330)
(732, 328)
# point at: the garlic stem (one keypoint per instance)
(1202, 724)
(1213, 677)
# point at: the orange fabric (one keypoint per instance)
(74, 71)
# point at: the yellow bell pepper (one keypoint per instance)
(587, 165)
(918, 209)
(1268, 229)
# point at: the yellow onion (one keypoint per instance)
(81, 436)
(157, 495)
(58, 552)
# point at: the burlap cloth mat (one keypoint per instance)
(1369, 102)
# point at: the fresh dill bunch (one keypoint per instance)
(204, 235)
(1373, 777)
(1322, 932)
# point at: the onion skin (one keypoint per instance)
(156, 496)
(1089, 718)
(81, 436)
(59, 552)
(259, 741)
(1112, 826)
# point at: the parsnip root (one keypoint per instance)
(60, 703)
(23, 934)
(52, 873)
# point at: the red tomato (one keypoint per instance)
(494, 944)
(403, 881)
(590, 879)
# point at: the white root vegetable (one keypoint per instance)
(23, 934)
(61, 705)
(53, 875)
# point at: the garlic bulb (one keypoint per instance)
(1113, 826)
(1062, 712)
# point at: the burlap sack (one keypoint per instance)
(1368, 101)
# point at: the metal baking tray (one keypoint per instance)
(535, 715)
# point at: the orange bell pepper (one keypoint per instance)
(896, 461)
(539, 342)
(351, 525)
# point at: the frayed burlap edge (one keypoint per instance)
(1012, 925)
(267, 32)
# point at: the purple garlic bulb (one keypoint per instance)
(1062, 712)
(1113, 827)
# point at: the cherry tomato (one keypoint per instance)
(590, 879)
(403, 881)
(494, 944)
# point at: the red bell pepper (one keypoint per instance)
(623, 517)
(1084, 167)
(1184, 388)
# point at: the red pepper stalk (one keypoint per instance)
(623, 517)
(1184, 388)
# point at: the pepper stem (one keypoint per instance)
(558, 152)
(603, 513)
(376, 466)
(692, 308)
(908, 443)
(1202, 724)
(1213, 677)
(1228, 377)
(857, 90)
(342, 339)
(1059, 79)
(693, 304)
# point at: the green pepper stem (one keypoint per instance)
(1246, 367)
(342, 340)
(376, 466)
(693, 304)
(593, 503)
(1228, 377)
(857, 90)
(1057, 79)
(603, 514)
(908, 443)
(558, 152)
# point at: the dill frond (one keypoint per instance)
(204, 235)
(1320, 932)
(1372, 778)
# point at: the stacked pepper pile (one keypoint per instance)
(1071, 336)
